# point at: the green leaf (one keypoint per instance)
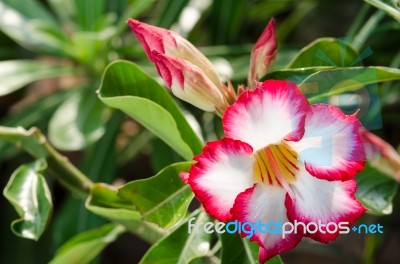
(126, 87)
(162, 199)
(376, 191)
(296, 75)
(30, 140)
(30, 26)
(104, 201)
(337, 81)
(27, 191)
(15, 74)
(78, 122)
(325, 52)
(86, 246)
(392, 9)
(240, 250)
(179, 247)
(32, 115)
(171, 12)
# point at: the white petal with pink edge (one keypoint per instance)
(273, 111)
(331, 147)
(223, 170)
(265, 203)
(324, 203)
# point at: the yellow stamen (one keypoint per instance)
(275, 164)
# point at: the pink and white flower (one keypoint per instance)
(281, 159)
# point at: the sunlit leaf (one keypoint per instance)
(162, 199)
(376, 191)
(104, 201)
(27, 191)
(326, 52)
(78, 122)
(392, 9)
(338, 81)
(126, 87)
(30, 26)
(86, 246)
(179, 247)
(15, 74)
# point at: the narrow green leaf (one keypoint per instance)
(162, 199)
(392, 10)
(86, 246)
(171, 12)
(15, 74)
(337, 81)
(376, 191)
(88, 12)
(104, 201)
(126, 87)
(78, 122)
(325, 52)
(179, 247)
(27, 191)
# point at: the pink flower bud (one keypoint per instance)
(189, 83)
(184, 69)
(381, 154)
(172, 44)
(263, 54)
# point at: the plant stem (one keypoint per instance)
(36, 144)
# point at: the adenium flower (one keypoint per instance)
(190, 75)
(281, 159)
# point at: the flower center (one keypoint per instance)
(275, 164)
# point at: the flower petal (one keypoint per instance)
(322, 201)
(264, 204)
(263, 53)
(223, 170)
(331, 147)
(273, 111)
(189, 83)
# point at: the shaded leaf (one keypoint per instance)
(104, 201)
(15, 74)
(179, 247)
(126, 87)
(326, 52)
(86, 246)
(240, 250)
(376, 191)
(78, 122)
(162, 199)
(27, 191)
